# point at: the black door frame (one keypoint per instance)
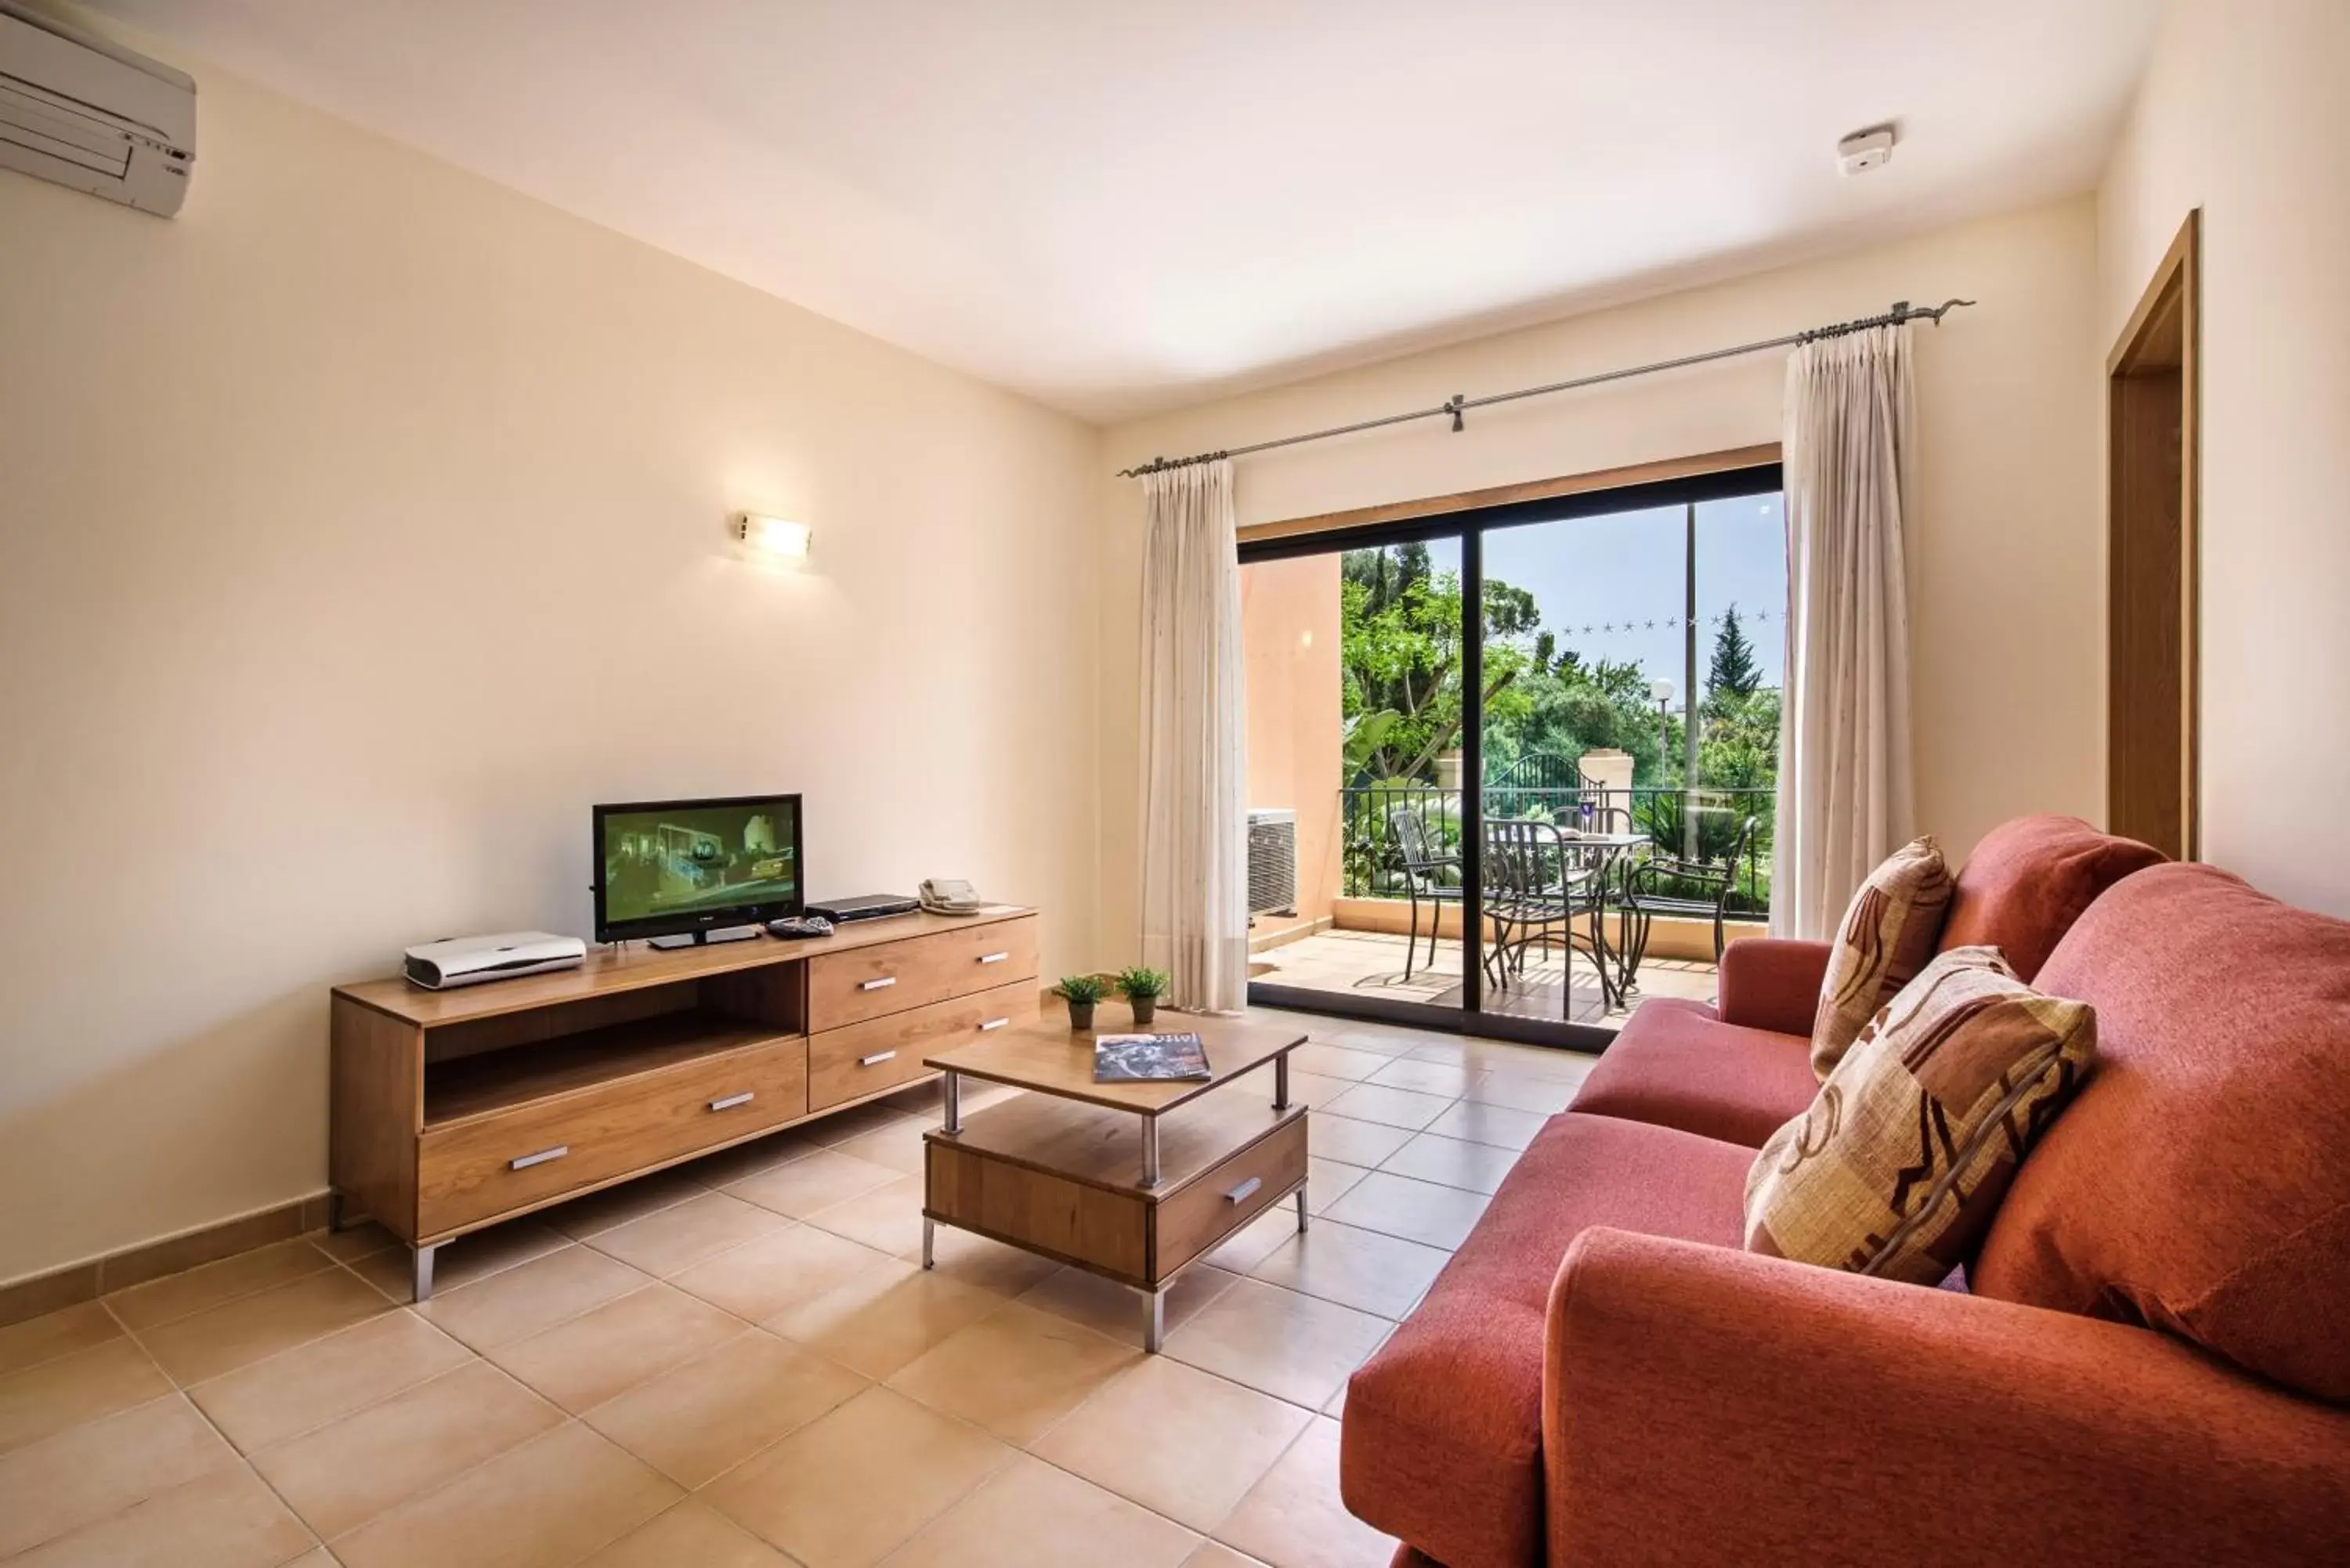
(1470, 526)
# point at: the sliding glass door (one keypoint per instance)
(1511, 769)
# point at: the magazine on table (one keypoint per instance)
(1150, 1058)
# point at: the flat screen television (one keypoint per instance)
(663, 868)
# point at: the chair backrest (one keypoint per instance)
(1414, 844)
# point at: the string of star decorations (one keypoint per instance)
(1663, 623)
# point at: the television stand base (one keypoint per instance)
(716, 934)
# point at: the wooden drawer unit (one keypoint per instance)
(1225, 1197)
(848, 987)
(882, 1052)
(473, 1169)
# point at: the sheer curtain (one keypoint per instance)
(1194, 806)
(1845, 789)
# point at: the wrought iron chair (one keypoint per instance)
(1538, 885)
(1424, 865)
(1664, 885)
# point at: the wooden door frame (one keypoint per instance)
(2143, 347)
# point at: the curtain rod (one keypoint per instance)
(1458, 405)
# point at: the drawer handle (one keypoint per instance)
(882, 985)
(731, 1101)
(1245, 1190)
(994, 1023)
(524, 1162)
(875, 1059)
(993, 958)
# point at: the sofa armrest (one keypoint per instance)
(1707, 1406)
(1772, 982)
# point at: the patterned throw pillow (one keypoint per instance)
(1901, 1161)
(1888, 932)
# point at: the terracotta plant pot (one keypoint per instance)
(1146, 1008)
(1081, 1015)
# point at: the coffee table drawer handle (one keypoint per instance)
(993, 958)
(875, 1059)
(1245, 1190)
(994, 1023)
(731, 1101)
(524, 1162)
(883, 983)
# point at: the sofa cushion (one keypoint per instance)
(2028, 880)
(1898, 1164)
(1888, 933)
(1677, 1065)
(1441, 1444)
(2199, 1182)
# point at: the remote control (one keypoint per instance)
(800, 925)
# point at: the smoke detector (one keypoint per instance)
(1865, 149)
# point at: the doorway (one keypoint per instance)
(2152, 664)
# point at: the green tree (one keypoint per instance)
(1734, 669)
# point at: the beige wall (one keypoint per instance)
(2242, 113)
(1289, 639)
(2006, 553)
(361, 527)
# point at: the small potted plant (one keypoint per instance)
(1080, 992)
(1142, 988)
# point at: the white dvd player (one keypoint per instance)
(470, 961)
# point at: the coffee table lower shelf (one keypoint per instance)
(1065, 1180)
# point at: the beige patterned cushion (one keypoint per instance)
(1904, 1153)
(1886, 935)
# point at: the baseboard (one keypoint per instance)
(92, 1278)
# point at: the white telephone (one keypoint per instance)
(951, 897)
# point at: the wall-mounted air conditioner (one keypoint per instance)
(1272, 862)
(86, 112)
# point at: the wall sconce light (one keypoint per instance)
(772, 535)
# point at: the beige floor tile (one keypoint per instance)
(672, 1239)
(876, 1320)
(1525, 1061)
(1361, 1269)
(1390, 1107)
(1440, 1078)
(1343, 1138)
(1422, 1211)
(600, 1212)
(818, 1181)
(1109, 1308)
(697, 1420)
(238, 1332)
(1212, 1555)
(1522, 1092)
(183, 1295)
(1336, 1062)
(1015, 1372)
(1453, 1162)
(316, 1557)
(1030, 1515)
(1249, 1245)
(779, 1271)
(608, 1350)
(1293, 1519)
(977, 1261)
(1176, 1440)
(363, 1239)
(98, 1468)
(887, 1218)
(689, 1536)
(899, 1145)
(1482, 1123)
(546, 1505)
(1326, 1181)
(304, 1388)
(341, 1475)
(518, 1302)
(1292, 1347)
(732, 1165)
(1367, 1038)
(845, 1490)
(55, 1395)
(224, 1519)
(468, 1259)
(841, 1127)
(52, 1334)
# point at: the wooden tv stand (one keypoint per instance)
(452, 1110)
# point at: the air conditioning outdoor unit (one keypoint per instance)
(82, 111)
(1272, 862)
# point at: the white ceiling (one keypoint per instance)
(1123, 206)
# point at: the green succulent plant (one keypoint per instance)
(1081, 988)
(1139, 984)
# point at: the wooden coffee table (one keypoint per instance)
(1129, 1181)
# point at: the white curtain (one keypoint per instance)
(1845, 789)
(1194, 804)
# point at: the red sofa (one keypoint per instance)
(2154, 1366)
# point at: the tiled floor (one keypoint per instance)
(740, 1365)
(1371, 963)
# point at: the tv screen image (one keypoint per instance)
(678, 864)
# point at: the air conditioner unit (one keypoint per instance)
(84, 112)
(1271, 862)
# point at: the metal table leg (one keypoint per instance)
(1281, 1081)
(952, 1090)
(1154, 1320)
(1300, 1210)
(1150, 1151)
(930, 1230)
(423, 1264)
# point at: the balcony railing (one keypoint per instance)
(1374, 867)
